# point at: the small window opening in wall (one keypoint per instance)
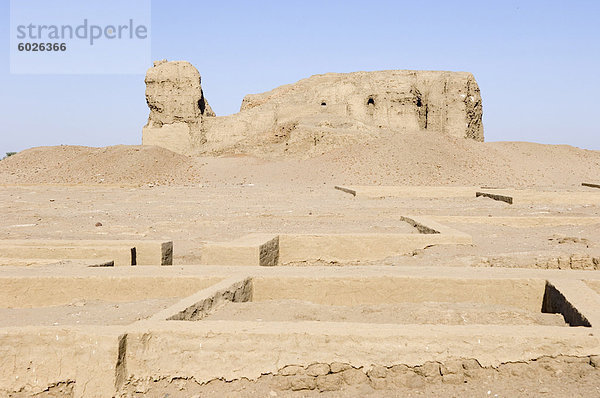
(370, 101)
(323, 103)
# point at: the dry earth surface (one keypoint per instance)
(438, 313)
(402, 159)
(84, 312)
(136, 192)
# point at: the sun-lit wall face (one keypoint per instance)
(320, 111)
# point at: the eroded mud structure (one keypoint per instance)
(323, 110)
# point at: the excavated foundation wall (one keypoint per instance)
(342, 377)
(336, 376)
(167, 351)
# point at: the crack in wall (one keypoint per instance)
(337, 376)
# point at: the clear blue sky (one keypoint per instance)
(537, 63)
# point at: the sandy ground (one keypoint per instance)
(83, 312)
(404, 313)
(193, 215)
(151, 193)
(401, 159)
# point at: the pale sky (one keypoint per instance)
(536, 63)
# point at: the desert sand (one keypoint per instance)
(514, 312)
(401, 159)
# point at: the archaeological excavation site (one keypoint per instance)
(349, 234)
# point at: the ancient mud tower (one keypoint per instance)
(320, 112)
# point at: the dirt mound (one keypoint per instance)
(400, 159)
(433, 159)
(421, 159)
(129, 165)
(417, 159)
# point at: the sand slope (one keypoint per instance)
(428, 159)
(422, 159)
(85, 165)
(400, 159)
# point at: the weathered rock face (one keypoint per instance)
(177, 105)
(311, 115)
(174, 94)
